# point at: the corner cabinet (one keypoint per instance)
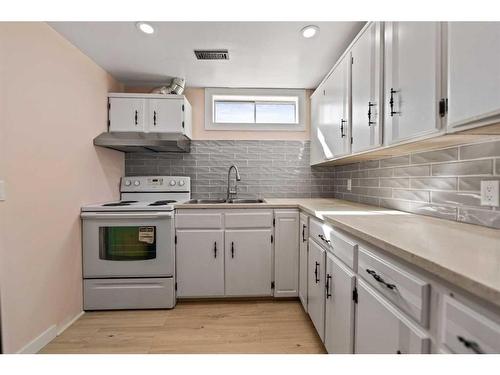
(149, 113)
(366, 59)
(473, 74)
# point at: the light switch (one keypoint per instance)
(2, 190)
(489, 193)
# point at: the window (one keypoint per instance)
(254, 109)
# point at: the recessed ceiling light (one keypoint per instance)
(146, 28)
(309, 31)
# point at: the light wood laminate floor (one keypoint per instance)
(194, 327)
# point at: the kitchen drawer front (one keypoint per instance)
(334, 241)
(249, 218)
(467, 331)
(407, 291)
(198, 220)
(115, 294)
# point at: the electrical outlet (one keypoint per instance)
(349, 184)
(489, 193)
(2, 190)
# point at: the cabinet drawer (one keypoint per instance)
(467, 331)
(198, 220)
(405, 290)
(334, 241)
(249, 219)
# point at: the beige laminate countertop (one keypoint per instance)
(465, 255)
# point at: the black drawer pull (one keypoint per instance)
(342, 122)
(380, 279)
(232, 249)
(370, 122)
(215, 249)
(303, 233)
(135, 117)
(472, 345)
(323, 238)
(391, 102)
(316, 278)
(154, 118)
(328, 286)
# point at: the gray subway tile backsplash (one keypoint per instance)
(439, 183)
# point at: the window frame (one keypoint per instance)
(297, 96)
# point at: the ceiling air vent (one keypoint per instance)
(212, 54)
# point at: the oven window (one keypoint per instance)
(127, 243)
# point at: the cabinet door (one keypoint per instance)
(339, 307)
(412, 79)
(248, 262)
(381, 329)
(166, 115)
(200, 263)
(319, 150)
(473, 73)
(127, 114)
(366, 89)
(286, 253)
(303, 254)
(316, 287)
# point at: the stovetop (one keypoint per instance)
(130, 205)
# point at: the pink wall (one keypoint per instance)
(53, 103)
(196, 96)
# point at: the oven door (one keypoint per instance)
(128, 244)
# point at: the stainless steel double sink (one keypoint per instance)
(220, 201)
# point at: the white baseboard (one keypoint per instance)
(65, 325)
(48, 335)
(39, 342)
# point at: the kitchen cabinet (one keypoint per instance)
(381, 329)
(248, 262)
(339, 307)
(303, 262)
(316, 287)
(149, 113)
(413, 80)
(319, 149)
(366, 58)
(473, 74)
(200, 263)
(286, 253)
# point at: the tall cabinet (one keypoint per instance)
(366, 58)
(413, 80)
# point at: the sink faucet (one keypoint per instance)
(232, 193)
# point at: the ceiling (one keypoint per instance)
(262, 54)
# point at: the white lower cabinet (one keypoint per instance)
(248, 269)
(286, 253)
(303, 261)
(316, 287)
(381, 329)
(339, 307)
(200, 263)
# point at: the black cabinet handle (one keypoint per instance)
(316, 273)
(323, 238)
(342, 122)
(232, 249)
(215, 249)
(136, 113)
(472, 345)
(328, 286)
(154, 118)
(391, 102)
(303, 233)
(370, 122)
(380, 279)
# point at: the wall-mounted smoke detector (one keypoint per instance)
(211, 54)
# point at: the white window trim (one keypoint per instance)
(264, 95)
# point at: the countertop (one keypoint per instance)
(465, 255)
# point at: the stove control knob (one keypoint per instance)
(172, 183)
(181, 183)
(137, 182)
(128, 182)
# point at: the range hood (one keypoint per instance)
(143, 142)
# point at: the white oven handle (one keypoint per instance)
(126, 215)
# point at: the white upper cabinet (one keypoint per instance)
(318, 154)
(286, 253)
(149, 113)
(366, 55)
(413, 80)
(473, 74)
